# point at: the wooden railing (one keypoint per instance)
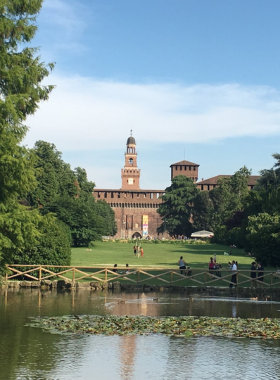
(139, 275)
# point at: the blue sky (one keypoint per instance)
(196, 80)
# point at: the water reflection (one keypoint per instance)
(29, 353)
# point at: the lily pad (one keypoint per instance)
(187, 327)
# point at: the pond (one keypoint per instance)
(30, 353)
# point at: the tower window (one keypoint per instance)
(131, 161)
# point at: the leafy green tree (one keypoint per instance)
(203, 212)
(52, 246)
(55, 179)
(21, 76)
(108, 225)
(264, 236)
(230, 194)
(177, 205)
(18, 229)
(68, 194)
(85, 187)
(270, 178)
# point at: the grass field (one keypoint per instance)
(157, 255)
(106, 254)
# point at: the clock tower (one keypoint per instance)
(130, 172)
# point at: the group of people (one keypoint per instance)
(214, 266)
(115, 269)
(137, 250)
(257, 272)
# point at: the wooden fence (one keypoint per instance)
(140, 275)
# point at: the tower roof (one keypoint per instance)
(184, 162)
(130, 140)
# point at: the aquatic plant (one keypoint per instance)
(265, 328)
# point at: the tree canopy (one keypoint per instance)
(21, 90)
(176, 207)
(68, 194)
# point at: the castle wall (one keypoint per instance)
(190, 171)
(130, 207)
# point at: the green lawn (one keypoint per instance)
(163, 255)
(158, 255)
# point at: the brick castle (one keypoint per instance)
(136, 209)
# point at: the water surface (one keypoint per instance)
(30, 353)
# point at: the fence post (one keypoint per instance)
(138, 275)
(205, 274)
(73, 275)
(171, 277)
(40, 273)
(106, 275)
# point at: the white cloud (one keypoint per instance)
(84, 113)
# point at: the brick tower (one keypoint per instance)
(186, 168)
(130, 172)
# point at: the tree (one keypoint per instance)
(52, 246)
(176, 207)
(68, 194)
(264, 237)
(203, 212)
(55, 179)
(21, 75)
(230, 194)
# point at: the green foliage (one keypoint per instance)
(190, 326)
(25, 235)
(264, 235)
(203, 211)
(52, 244)
(18, 229)
(107, 222)
(250, 219)
(229, 196)
(68, 194)
(176, 208)
(55, 179)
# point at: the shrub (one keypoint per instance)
(53, 245)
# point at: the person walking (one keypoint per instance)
(135, 250)
(142, 252)
(253, 274)
(233, 280)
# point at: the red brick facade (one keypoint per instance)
(130, 208)
(186, 168)
(136, 209)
